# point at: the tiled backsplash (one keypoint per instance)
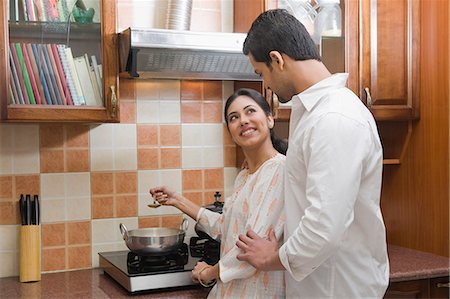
(90, 178)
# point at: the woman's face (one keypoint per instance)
(248, 124)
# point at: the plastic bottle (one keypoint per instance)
(302, 10)
(328, 21)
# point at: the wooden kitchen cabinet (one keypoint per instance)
(421, 288)
(97, 38)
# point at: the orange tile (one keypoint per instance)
(102, 207)
(212, 90)
(51, 136)
(77, 136)
(170, 158)
(212, 112)
(6, 187)
(172, 221)
(152, 221)
(53, 259)
(169, 135)
(227, 139)
(101, 183)
(209, 196)
(126, 206)
(195, 197)
(147, 135)
(8, 214)
(27, 184)
(191, 90)
(77, 160)
(79, 257)
(127, 112)
(79, 232)
(148, 158)
(229, 156)
(213, 178)
(52, 161)
(127, 89)
(53, 234)
(192, 180)
(191, 112)
(126, 182)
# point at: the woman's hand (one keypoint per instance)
(165, 196)
(205, 274)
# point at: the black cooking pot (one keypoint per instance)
(216, 207)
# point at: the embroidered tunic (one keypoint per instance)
(257, 203)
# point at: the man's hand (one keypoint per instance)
(260, 253)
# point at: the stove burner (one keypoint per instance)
(175, 260)
(207, 249)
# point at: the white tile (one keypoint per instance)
(53, 210)
(171, 178)
(169, 90)
(7, 136)
(147, 179)
(102, 159)
(78, 208)
(125, 159)
(125, 136)
(26, 161)
(26, 137)
(105, 247)
(147, 90)
(230, 174)
(191, 135)
(227, 16)
(191, 157)
(6, 160)
(169, 112)
(212, 135)
(77, 184)
(103, 231)
(147, 112)
(52, 186)
(10, 264)
(227, 89)
(212, 157)
(101, 136)
(9, 234)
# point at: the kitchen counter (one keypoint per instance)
(406, 264)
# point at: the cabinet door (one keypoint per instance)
(389, 58)
(35, 85)
(440, 287)
(408, 289)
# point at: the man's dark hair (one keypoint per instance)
(279, 144)
(278, 30)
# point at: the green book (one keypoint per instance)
(26, 78)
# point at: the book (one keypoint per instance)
(97, 75)
(52, 10)
(20, 99)
(39, 11)
(30, 74)
(12, 100)
(20, 77)
(84, 77)
(62, 76)
(50, 85)
(76, 81)
(47, 95)
(25, 75)
(13, 97)
(68, 74)
(52, 75)
(62, 96)
(13, 10)
(23, 10)
(37, 77)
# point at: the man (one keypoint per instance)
(335, 240)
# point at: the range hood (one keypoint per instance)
(172, 54)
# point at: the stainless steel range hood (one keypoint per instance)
(171, 54)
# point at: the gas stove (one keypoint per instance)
(151, 272)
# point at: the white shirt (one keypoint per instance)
(257, 203)
(335, 240)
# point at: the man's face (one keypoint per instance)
(272, 78)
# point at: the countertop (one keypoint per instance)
(405, 264)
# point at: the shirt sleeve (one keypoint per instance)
(334, 152)
(264, 207)
(210, 222)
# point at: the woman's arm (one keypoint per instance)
(167, 197)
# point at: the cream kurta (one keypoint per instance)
(257, 203)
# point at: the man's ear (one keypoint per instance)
(277, 59)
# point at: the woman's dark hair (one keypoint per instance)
(278, 30)
(279, 144)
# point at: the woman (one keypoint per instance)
(257, 202)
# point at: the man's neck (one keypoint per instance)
(308, 73)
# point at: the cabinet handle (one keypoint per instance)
(369, 98)
(443, 285)
(113, 101)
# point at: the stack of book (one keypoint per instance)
(48, 74)
(41, 10)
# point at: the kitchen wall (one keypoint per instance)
(90, 177)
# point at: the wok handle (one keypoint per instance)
(184, 225)
(123, 231)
